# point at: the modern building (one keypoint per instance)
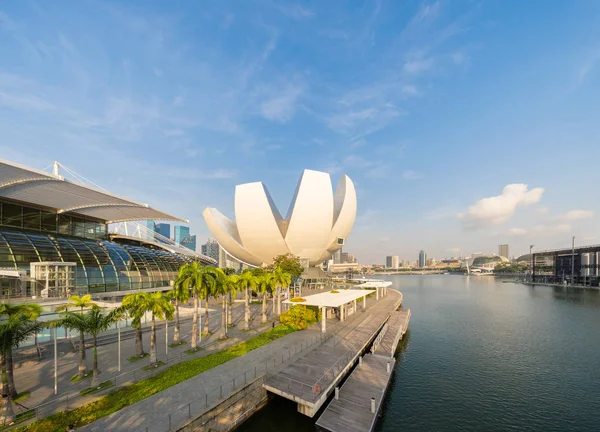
(54, 239)
(164, 229)
(181, 236)
(484, 263)
(579, 265)
(337, 256)
(503, 250)
(348, 258)
(150, 228)
(211, 249)
(392, 261)
(422, 262)
(317, 222)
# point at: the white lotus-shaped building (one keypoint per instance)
(316, 225)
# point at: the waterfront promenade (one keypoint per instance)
(311, 378)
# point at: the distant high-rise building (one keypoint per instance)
(503, 250)
(392, 261)
(212, 249)
(422, 259)
(337, 256)
(348, 258)
(164, 229)
(189, 242)
(180, 233)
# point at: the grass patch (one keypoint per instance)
(192, 350)
(22, 396)
(334, 292)
(92, 390)
(176, 344)
(77, 378)
(125, 396)
(133, 359)
(153, 366)
(21, 417)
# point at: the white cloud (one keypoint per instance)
(282, 107)
(294, 11)
(411, 175)
(24, 102)
(575, 215)
(498, 209)
(540, 231)
(417, 66)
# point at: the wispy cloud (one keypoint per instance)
(540, 231)
(24, 102)
(282, 106)
(411, 175)
(575, 215)
(292, 10)
(498, 209)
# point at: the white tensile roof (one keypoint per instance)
(29, 185)
(327, 299)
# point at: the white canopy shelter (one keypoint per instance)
(327, 299)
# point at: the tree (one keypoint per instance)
(224, 286)
(131, 304)
(264, 286)
(94, 322)
(288, 263)
(181, 295)
(232, 283)
(281, 279)
(17, 323)
(247, 281)
(211, 276)
(82, 303)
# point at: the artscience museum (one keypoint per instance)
(317, 223)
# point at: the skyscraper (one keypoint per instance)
(337, 256)
(149, 232)
(503, 250)
(392, 261)
(180, 233)
(164, 229)
(212, 249)
(422, 259)
(189, 242)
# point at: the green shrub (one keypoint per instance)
(298, 317)
(334, 292)
(298, 300)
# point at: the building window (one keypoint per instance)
(12, 215)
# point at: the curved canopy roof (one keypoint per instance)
(29, 185)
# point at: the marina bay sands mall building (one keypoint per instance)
(59, 236)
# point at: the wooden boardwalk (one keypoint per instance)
(352, 411)
(396, 327)
(311, 378)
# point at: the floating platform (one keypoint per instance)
(397, 325)
(360, 398)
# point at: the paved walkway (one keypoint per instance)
(37, 377)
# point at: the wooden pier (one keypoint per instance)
(396, 327)
(312, 378)
(360, 398)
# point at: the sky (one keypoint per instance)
(463, 124)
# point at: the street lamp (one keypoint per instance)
(573, 262)
(531, 265)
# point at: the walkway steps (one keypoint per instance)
(396, 327)
(352, 411)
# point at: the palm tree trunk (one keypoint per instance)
(264, 308)
(176, 331)
(247, 312)
(2, 374)
(82, 366)
(10, 376)
(195, 324)
(139, 347)
(95, 376)
(230, 310)
(224, 318)
(153, 341)
(206, 328)
(278, 301)
(274, 295)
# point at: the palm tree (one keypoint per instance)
(210, 281)
(264, 286)
(93, 322)
(197, 280)
(232, 280)
(247, 281)
(159, 306)
(131, 304)
(17, 323)
(82, 302)
(224, 285)
(181, 295)
(281, 279)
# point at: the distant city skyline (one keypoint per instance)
(459, 137)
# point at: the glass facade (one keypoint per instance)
(101, 266)
(33, 219)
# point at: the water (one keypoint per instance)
(482, 355)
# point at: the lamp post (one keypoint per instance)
(573, 262)
(531, 266)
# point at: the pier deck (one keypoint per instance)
(311, 378)
(396, 327)
(352, 411)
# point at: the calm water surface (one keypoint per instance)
(482, 355)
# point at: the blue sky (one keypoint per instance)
(430, 107)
